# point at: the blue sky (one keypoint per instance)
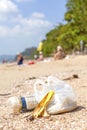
(24, 23)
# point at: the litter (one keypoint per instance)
(40, 110)
(31, 62)
(64, 99)
(74, 76)
(51, 96)
(21, 104)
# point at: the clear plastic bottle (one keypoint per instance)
(21, 104)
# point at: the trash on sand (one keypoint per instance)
(40, 110)
(64, 99)
(31, 62)
(51, 96)
(21, 104)
(74, 76)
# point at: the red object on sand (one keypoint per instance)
(31, 62)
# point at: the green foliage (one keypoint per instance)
(67, 35)
(70, 34)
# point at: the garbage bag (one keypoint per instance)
(40, 90)
(64, 99)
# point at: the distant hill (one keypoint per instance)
(29, 52)
(7, 58)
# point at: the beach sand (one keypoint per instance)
(12, 82)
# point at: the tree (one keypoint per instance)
(76, 16)
(70, 34)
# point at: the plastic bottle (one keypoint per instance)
(21, 104)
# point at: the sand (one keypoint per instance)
(13, 82)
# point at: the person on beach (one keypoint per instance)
(20, 59)
(60, 54)
(35, 57)
(41, 57)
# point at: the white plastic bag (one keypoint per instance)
(40, 90)
(64, 99)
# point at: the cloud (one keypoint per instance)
(24, 0)
(20, 31)
(17, 23)
(7, 9)
(6, 6)
(37, 15)
(24, 26)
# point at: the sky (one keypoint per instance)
(25, 23)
